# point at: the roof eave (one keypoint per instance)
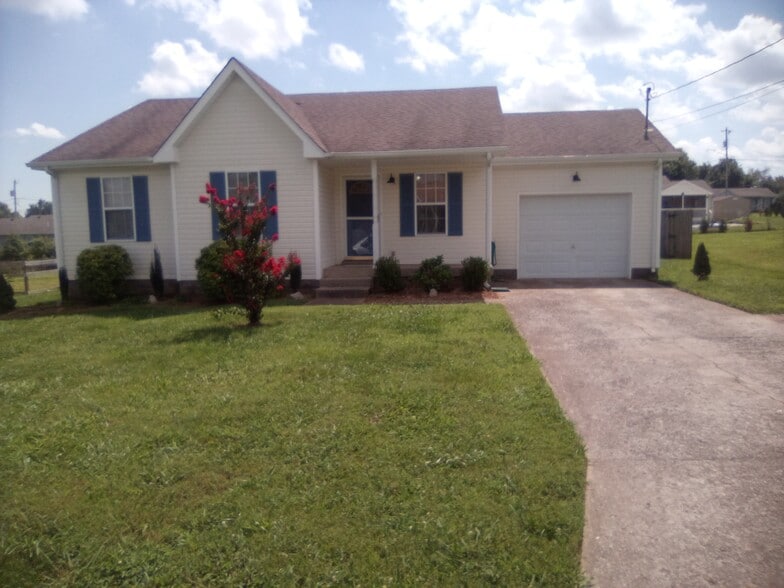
(82, 163)
(599, 158)
(400, 153)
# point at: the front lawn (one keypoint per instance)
(747, 270)
(364, 445)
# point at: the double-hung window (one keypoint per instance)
(117, 196)
(430, 190)
(238, 184)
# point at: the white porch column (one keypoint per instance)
(175, 222)
(376, 210)
(59, 238)
(489, 209)
(317, 221)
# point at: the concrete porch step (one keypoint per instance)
(349, 280)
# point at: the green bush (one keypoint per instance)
(7, 300)
(702, 267)
(156, 274)
(41, 248)
(476, 272)
(14, 249)
(102, 273)
(208, 266)
(722, 226)
(388, 274)
(433, 274)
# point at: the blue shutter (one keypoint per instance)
(218, 181)
(95, 210)
(454, 205)
(407, 212)
(141, 205)
(269, 191)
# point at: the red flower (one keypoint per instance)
(210, 190)
(279, 287)
(273, 210)
(274, 237)
(271, 187)
(204, 199)
(239, 254)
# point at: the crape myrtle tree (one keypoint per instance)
(249, 273)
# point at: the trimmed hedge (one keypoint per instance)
(102, 273)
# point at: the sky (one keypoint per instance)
(68, 65)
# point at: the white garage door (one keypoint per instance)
(574, 236)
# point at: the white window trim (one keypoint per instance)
(445, 204)
(105, 208)
(259, 192)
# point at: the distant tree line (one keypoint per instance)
(40, 208)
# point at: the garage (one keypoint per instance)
(575, 236)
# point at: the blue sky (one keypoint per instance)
(67, 65)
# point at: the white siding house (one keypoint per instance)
(364, 174)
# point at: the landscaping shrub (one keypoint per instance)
(41, 248)
(702, 268)
(156, 274)
(433, 274)
(208, 266)
(7, 300)
(704, 225)
(476, 272)
(14, 249)
(62, 275)
(722, 226)
(388, 274)
(102, 272)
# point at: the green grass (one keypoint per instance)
(37, 282)
(364, 445)
(747, 270)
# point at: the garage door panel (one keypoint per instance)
(574, 236)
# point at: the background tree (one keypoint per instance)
(737, 178)
(14, 249)
(683, 168)
(39, 208)
(41, 248)
(5, 211)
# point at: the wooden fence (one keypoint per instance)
(25, 268)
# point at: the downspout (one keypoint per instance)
(376, 215)
(175, 224)
(655, 238)
(59, 238)
(316, 220)
(489, 208)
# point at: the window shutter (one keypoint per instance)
(407, 212)
(141, 205)
(95, 210)
(454, 211)
(218, 181)
(269, 191)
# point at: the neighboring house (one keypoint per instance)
(739, 202)
(364, 174)
(694, 195)
(27, 228)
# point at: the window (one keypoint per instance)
(430, 195)
(237, 180)
(672, 202)
(118, 208)
(694, 202)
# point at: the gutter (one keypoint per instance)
(577, 159)
(82, 163)
(479, 151)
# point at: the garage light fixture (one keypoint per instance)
(576, 177)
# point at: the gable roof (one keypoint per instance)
(365, 123)
(745, 193)
(582, 133)
(687, 187)
(29, 225)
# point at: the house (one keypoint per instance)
(363, 174)
(694, 195)
(739, 202)
(26, 228)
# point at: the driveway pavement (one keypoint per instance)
(680, 403)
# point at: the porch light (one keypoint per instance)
(391, 179)
(576, 177)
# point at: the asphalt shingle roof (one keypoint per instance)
(360, 122)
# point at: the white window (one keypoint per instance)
(117, 196)
(243, 185)
(430, 198)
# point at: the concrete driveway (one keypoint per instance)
(680, 403)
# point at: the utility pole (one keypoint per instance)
(726, 160)
(13, 195)
(647, 102)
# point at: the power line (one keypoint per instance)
(769, 45)
(719, 103)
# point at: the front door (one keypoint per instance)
(359, 218)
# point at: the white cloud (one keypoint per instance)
(41, 131)
(51, 9)
(765, 150)
(250, 28)
(179, 69)
(344, 58)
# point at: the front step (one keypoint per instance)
(346, 281)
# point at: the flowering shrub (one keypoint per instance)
(295, 271)
(248, 273)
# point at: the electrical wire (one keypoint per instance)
(768, 46)
(719, 103)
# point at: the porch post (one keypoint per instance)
(316, 221)
(489, 209)
(376, 211)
